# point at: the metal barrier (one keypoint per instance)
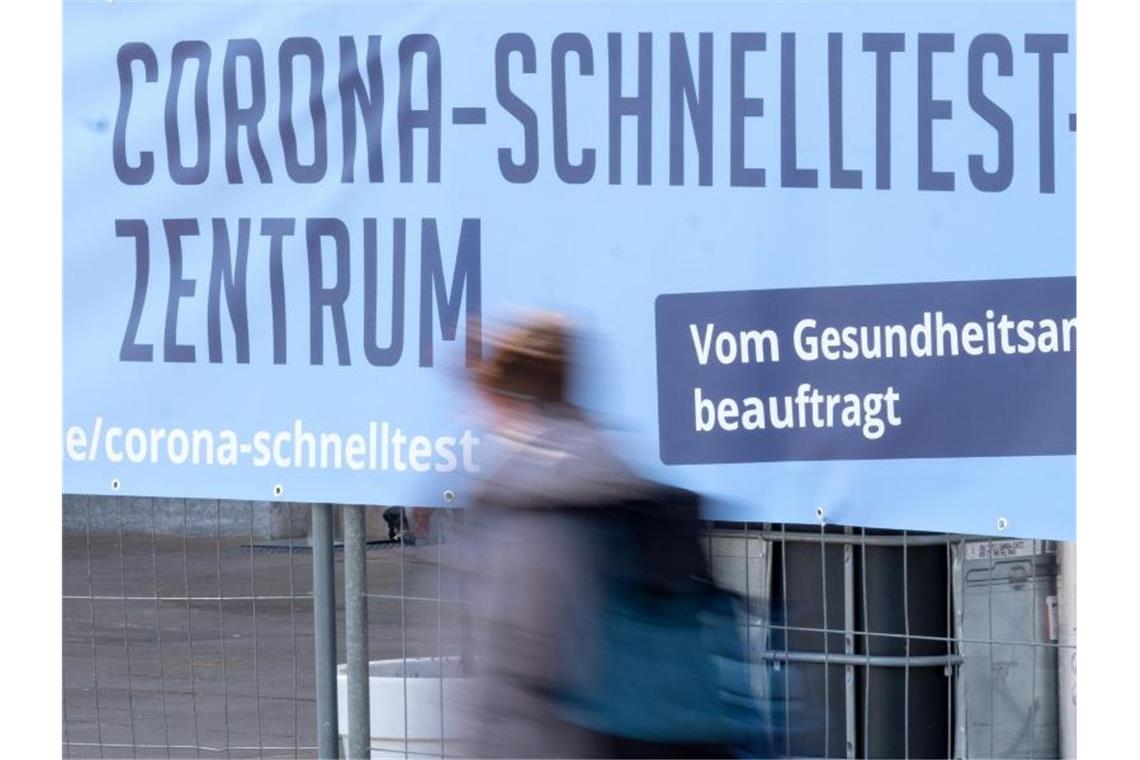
(180, 641)
(177, 643)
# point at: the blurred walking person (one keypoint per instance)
(594, 630)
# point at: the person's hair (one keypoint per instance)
(528, 361)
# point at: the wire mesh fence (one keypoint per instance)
(188, 631)
(178, 643)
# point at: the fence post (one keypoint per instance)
(958, 591)
(1067, 653)
(849, 642)
(324, 630)
(356, 632)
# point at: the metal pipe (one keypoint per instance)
(356, 632)
(958, 572)
(1067, 638)
(918, 637)
(849, 643)
(324, 630)
(845, 538)
(878, 661)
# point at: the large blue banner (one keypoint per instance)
(825, 250)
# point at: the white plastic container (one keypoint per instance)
(436, 721)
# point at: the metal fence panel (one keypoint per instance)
(189, 632)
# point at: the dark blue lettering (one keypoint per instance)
(276, 230)
(699, 98)
(389, 355)
(565, 43)
(516, 107)
(129, 53)
(179, 172)
(249, 116)
(331, 298)
(841, 178)
(790, 174)
(230, 275)
(429, 118)
(131, 350)
(741, 107)
(180, 287)
(883, 45)
(465, 277)
(639, 106)
(930, 109)
(370, 100)
(291, 49)
(1045, 46)
(1000, 178)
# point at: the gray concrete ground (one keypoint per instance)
(197, 646)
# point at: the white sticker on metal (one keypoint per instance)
(1003, 549)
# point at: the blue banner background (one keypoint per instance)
(951, 404)
(601, 252)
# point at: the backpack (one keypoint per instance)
(670, 663)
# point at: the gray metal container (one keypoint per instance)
(1010, 685)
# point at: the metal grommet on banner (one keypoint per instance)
(278, 490)
(114, 484)
(448, 495)
(1002, 524)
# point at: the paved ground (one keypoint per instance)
(175, 671)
